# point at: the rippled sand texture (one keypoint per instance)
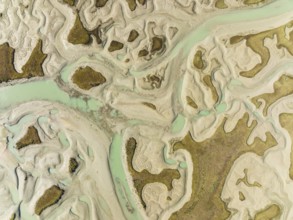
(146, 109)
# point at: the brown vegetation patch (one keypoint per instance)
(87, 78)
(256, 43)
(132, 36)
(50, 197)
(101, 3)
(32, 68)
(212, 161)
(73, 165)
(115, 45)
(286, 121)
(198, 61)
(31, 137)
(220, 4)
(140, 179)
(269, 213)
(282, 87)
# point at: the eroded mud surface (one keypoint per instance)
(146, 109)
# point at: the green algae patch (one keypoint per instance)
(221, 108)
(31, 137)
(204, 112)
(50, 197)
(63, 139)
(178, 124)
(166, 157)
(87, 78)
(183, 165)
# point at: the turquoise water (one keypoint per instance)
(203, 30)
(43, 90)
(121, 184)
